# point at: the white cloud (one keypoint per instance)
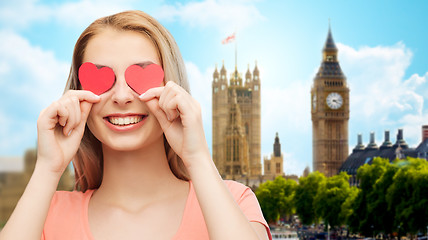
(84, 12)
(24, 13)
(35, 73)
(381, 97)
(31, 79)
(293, 165)
(224, 15)
(200, 87)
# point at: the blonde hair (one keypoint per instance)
(88, 162)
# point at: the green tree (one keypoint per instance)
(377, 206)
(347, 210)
(361, 219)
(408, 196)
(328, 202)
(276, 198)
(304, 197)
(287, 208)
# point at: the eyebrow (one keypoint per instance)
(141, 64)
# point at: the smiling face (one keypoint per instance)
(120, 120)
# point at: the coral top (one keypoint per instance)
(68, 214)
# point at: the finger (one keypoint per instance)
(70, 120)
(62, 113)
(184, 105)
(171, 109)
(85, 108)
(167, 103)
(77, 110)
(160, 115)
(151, 93)
(84, 95)
(75, 117)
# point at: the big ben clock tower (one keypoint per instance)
(330, 113)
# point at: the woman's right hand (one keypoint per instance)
(60, 129)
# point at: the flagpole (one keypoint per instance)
(236, 57)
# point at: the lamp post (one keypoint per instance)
(399, 232)
(328, 231)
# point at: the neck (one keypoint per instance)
(136, 174)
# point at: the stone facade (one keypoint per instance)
(236, 125)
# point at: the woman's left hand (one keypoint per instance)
(179, 116)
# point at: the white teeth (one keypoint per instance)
(125, 120)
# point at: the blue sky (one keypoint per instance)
(383, 52)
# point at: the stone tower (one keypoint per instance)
(236, 123)
(273, 167)
(330, 113)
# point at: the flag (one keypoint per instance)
(229, 39)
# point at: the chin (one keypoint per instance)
(132, 143)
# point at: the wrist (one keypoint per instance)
(43, 169)
(201, 166)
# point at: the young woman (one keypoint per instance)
(142, 165)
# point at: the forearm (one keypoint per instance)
(28, 218)
(223, 217)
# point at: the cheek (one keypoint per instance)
(94, 121)
(92, 126)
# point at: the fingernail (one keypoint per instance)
(167, 117)
(142, 95)
(69, 133)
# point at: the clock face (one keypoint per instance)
(334, 100)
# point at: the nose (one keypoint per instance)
(122, 93)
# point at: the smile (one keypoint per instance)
(123, 121)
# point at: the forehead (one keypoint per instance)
(118, 49)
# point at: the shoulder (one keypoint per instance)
(236, 186)
(68, 202)
(247, 202)
(66, 214)
(238, 190)
(65, 199)
(69, 196)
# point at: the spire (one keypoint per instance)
(223, 70)
(329, 43)
(256, 70)
(215, 74)
(248, 74)
(277, 147)
(235, 112)
(330, 65)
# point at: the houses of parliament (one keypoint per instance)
(236, 118)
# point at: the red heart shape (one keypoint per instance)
(142, 79)
(96, 80)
